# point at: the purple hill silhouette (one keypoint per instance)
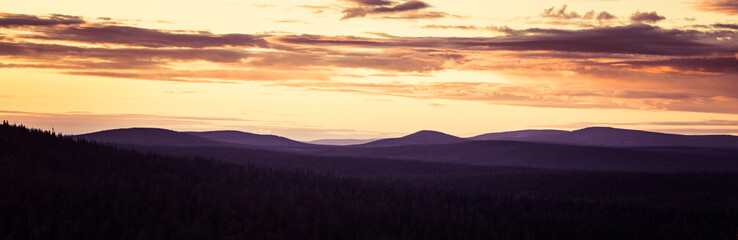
(342, 142)
(147, 136)
(590, 148)
(615, 137)
(423, 137)
(250, 139)
(518, 135)
(593, 136)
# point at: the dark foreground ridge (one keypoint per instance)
(54, 187)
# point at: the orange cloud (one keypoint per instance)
(719, 6)
(634, 66)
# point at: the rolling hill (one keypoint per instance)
(148, 136)
(517, 135)
(614, 137)
(250, 139)
(423, 137)
(165, 137)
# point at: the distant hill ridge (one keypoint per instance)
(165, 137)
(614, 137)
(597, 148)
(517, 135)
(592, 136)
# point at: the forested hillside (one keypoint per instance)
(52, 187)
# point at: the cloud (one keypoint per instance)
(602, 16)
(502, 29)
(594, 67)
(390, 10)
(632, 39)
(150, 59)
(562, 16)
(559, 13)
(207, 76)
(729, 7)
(417, 15)
(709, 65)
(630, 94)
(72, 28)
(406, 6)
(728, 26)
(372, 2)
(131, 56)
(134, 36)
(354, 13)
(650, 17)
(140, 48)
(533, 95)
(391, 61)
(18, 20)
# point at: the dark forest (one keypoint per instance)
(57, 187)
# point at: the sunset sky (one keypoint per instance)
(370, 68)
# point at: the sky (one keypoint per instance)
(370, 68)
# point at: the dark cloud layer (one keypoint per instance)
(697, 67)
(728, 26)
(390, 9)
(156, 47)
(18, 20)
(406, 6)
(151, 38)
(633, 39)
(133, 56)
(651, 17)
(373, 2)
(78, 30)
